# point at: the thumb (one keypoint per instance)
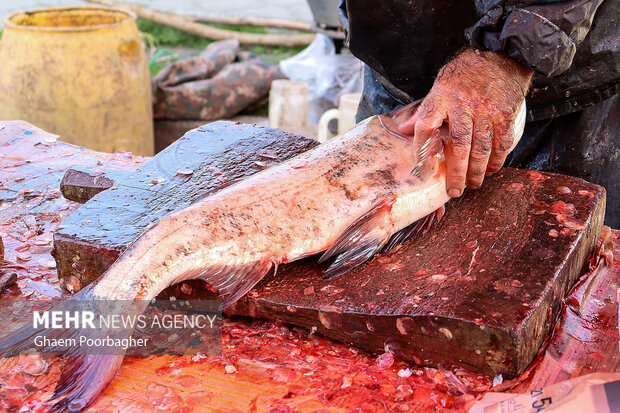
(408, 126)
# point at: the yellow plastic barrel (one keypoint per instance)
(81, 73)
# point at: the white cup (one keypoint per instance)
(345, 115)
(288, 104)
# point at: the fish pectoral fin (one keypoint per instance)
(361, 240)
(357, 255)
(370, 234)
(420, 227)
(234, 281)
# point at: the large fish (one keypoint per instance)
(348, 199)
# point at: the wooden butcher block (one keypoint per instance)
(479, 291)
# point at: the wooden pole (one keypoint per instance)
(182, 23)
(253, 21)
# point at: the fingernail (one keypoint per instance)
(454, 193)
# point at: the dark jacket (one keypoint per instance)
(573, 45)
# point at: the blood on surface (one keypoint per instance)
(263, 353)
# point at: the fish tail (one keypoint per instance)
(83, 380)
(84, 377)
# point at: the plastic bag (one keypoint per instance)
(328, 75)
(596, 392)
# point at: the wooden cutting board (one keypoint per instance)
(481, 290)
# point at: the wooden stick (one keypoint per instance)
(182, 23)
(253, 21)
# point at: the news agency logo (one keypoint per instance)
(119, 327)
(88, 319)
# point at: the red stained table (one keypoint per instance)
(265, 366)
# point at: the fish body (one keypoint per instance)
(292, 210)
(348, 199)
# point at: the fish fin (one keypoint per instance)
(233, 282)
(431, 147)
(357, 255)
(420, 227)
(360, 241)
(404, 235)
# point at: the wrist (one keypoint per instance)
(494, 61)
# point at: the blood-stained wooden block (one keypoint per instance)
(480, 290)
(585, 338)
(203, 161)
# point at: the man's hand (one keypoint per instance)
(478, 94)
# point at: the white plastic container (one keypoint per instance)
(345, 115)
(288, 104)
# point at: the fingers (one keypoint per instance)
(482, 145)
(478, 144)
(457, 151)
(424, 122)
(502, 144)
(425, 127)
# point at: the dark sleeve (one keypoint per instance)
(344, 20)
(542, 35)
